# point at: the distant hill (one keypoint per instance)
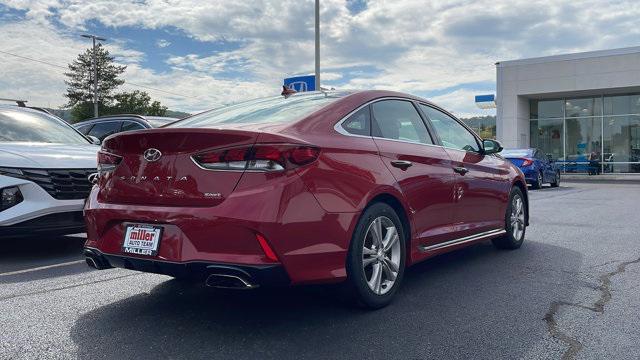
(485, 126)
(177, 114)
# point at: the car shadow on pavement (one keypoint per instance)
(473, 303)
(25, 254)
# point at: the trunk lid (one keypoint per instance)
(172, 179)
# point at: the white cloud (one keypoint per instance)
(462, 103)
(406, 45)
(163, 43)
(43, 85)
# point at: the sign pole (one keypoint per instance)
(317, 45)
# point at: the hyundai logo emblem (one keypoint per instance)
(152, 154)
(93, 178)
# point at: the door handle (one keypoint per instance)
(461, 170)
(401, 164)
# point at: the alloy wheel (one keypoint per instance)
(517, 217)
(381, 255)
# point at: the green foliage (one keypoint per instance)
(137, 102)
(80, 78)
(80, 89)
(84, 110)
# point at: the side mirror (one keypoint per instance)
(94, 140)
(550, 157)
(491, 147)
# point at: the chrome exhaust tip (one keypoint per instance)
(95, 260)
(91, 262)
(226, 281)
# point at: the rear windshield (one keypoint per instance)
(266, 110)
(34, 126)
(159, 121)
(516, 152)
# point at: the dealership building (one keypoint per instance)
(582, 109)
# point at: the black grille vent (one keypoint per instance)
(61, 184)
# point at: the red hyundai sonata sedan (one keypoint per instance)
(319, 187)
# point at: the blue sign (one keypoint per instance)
(485, 98)
(486, 101)
(301, 83)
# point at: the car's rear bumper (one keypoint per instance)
(310, 244)
(251, 275)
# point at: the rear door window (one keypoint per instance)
(359, 123)
(84, 128)
(102, 130)
(398, 120)
(131, 125)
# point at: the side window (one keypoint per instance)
(398, 120)
(131, 125)
(541, 156)
(84, 128)
(102, 130)
(359, 123)
(451, 132)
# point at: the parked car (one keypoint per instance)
(537, 167)
(44, 169)
(317, 187)
(107, 125)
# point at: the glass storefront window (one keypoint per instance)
(575, 132)
(583, 107)
(583, 145)
(622, 105)
(545, 109)
(621, 140)
(547, 135)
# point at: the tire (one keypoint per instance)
(538, 183)
(514, 237)
(371, 285)
(556, 180)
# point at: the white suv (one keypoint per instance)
(44, 168)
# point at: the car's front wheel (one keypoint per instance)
(376, 260)
(515, 222)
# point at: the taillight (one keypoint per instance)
(527, 162)
(107, 162)
(268, 251)
(263, 157)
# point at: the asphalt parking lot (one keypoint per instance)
(572, 290)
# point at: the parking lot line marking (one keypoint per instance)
(41, 268)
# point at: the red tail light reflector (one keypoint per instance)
(303, 155)
(268, 252)
(107, 161)
(261, 157)
(527, 162)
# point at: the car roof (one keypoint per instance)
(130, 117)
(33, 110)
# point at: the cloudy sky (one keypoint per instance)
(206, 53)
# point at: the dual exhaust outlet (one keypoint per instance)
(220, 281)
(227, 281)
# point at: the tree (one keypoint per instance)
(137, 102)
(80, 81)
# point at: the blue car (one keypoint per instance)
(538, 169)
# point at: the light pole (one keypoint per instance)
(95, 72)
(317, 45)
